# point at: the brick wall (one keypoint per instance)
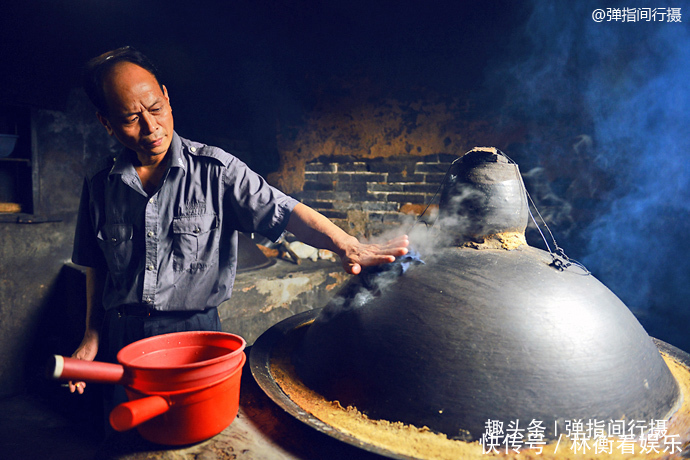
(369, 196)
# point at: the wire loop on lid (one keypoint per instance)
(560, 260)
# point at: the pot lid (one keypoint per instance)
(484, 332)
(476, 335)
(249, 256)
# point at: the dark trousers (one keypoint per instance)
(121, 330)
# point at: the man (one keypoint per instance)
(158, 229)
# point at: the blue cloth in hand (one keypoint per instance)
(370, 275)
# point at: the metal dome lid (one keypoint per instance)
(478, 333)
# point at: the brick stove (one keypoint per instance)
(369, 196)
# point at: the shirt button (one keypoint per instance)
(152, 200)
(150, 268)
(150, 234)
(192, 149)
(197, 230)
(147, 299)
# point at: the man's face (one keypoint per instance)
(139, 113)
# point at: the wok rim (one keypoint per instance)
(260, 366)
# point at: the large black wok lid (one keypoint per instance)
(485, 335)
(477, 334)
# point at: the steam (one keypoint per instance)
(428, 235)
(552, 208)
(624, 86)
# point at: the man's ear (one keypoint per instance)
(165, 94)
(104, 121)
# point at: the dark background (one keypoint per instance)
(235, 67)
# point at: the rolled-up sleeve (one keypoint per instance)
(258, 206)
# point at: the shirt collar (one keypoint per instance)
(124, 162)
(176, 159)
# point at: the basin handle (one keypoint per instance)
(64, 368)
(133, 413)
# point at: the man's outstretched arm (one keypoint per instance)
(316, 230)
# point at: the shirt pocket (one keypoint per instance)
(115, 241)
(195, 242)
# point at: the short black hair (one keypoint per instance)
(99, 67)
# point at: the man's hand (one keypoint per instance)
(359, 255)
(95, 279)
(86, 351)
(316, 230)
